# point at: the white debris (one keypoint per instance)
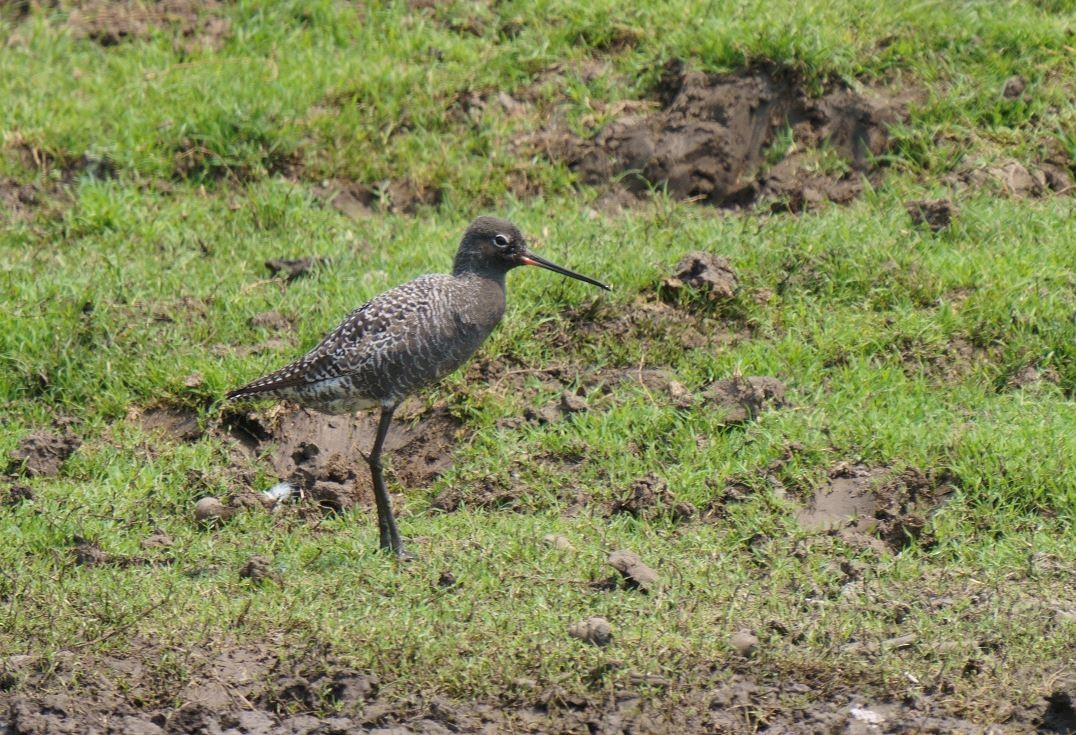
(280, 492)
(867, 715)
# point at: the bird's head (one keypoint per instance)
(496, 245)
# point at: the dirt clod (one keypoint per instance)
(635, 573)
(18, 494)
(706, 273)
(744, 642)
(292, 268)
(42, 454)
(937, 214)
(571, 403)
(258, 569)
(645, 497)
(742, 399)
(210, 511)
(1014, 87)
(157, 540)
(595, 630)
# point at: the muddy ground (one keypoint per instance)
(728, 140)
(250, 690)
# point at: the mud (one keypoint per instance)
(733, 139)
(937, 214)
(324, 455)
(18, 202)
(705, 273)
(860, 502)
(1018, 180)
(178, 423)
(248, 690)
(741, 399)
(662, 326)
(635, 572)
(42, 454)
(194, 24)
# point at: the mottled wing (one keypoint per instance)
(380, 325)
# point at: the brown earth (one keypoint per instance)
(42, 454)
(193, 23)
(713, 138)
(875, 505)
(324, 455)
(253, 690)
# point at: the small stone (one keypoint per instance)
(194, 380)
(744, 641)
(595, 630)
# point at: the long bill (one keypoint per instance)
(532, 259)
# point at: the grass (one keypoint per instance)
(115, 289)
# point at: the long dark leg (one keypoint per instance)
(389, 536)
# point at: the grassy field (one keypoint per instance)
(155, 156)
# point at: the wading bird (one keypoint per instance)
(404, 340)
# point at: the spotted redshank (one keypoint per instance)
(404, 340)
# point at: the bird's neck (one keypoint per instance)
(486, 300)
(471, 267)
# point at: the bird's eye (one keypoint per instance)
(501, 241)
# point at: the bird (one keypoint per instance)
(406, 339)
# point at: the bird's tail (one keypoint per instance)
(268, 385)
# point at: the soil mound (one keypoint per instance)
(731, 139)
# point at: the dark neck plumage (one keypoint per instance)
(467, 264)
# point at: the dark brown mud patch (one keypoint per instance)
(42, 454)
(937, 214)
(324, 455)
(193, 23)
(860, 501)
(732, 139)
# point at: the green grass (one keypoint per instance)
(114, 291)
